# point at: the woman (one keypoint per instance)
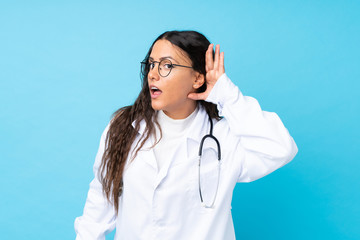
(150, 182)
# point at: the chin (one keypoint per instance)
(157, 106)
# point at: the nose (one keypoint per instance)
(154, 74)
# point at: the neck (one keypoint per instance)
(181, 113)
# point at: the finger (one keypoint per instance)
(208, 58)
(221, 63)
(209, 62)
(217, 54)
(197, 96)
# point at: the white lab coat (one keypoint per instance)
(166, 204)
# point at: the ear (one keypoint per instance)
(199, 80)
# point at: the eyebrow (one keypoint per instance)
(150, 58)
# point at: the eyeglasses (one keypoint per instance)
(164, 68)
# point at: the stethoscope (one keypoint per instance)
(210, 135)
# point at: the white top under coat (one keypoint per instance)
(172, 133)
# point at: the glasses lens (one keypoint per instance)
(144, 68)
(165, 67)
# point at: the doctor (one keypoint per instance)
(156, 176)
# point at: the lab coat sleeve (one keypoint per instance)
(261, 142)
(98, 217)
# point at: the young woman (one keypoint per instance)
(167, 165)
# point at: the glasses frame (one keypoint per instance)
(159, 63)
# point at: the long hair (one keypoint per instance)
(122, 134)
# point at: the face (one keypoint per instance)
(170, 93)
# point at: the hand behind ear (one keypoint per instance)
(214, 69)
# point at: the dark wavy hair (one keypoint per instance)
(122, 134)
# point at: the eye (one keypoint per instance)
(151, 65)
(168, 65)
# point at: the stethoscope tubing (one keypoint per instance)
(210, 135)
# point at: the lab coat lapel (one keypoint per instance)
(199, 128)
(146, 152)
(179, 154)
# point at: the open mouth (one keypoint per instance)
(155, 91)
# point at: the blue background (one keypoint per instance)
(66, 66)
